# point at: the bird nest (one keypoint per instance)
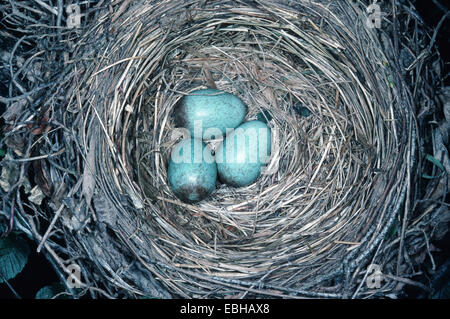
(327, 79)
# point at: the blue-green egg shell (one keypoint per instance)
(192, 170)
(214, 108)
(243, 153)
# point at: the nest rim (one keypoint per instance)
(334, 197)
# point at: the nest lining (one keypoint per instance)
(342, 171)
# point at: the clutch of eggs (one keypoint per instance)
(210, 113)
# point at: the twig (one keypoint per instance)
(50, 227)
(436, 30)
(440, 6)
(47, 7)
(406, 281)
(35, 158)
(26, 94)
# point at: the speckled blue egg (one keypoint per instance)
(243, 153)
(192, 170)
(216, 110)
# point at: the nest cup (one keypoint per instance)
(323, 78)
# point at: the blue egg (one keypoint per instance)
(192, 170)
(211, 111)
(243, 153)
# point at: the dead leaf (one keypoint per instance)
(37, 131)
(209, 78)
(442, 227)
(10, 174)
(14, 110)
(16, 143)
(399, 286)
(270, 96)
(441, 154)
(36, 195)
(420, 258)
(433, 248)
(104, 209)
(34, 71)
(135, 199)
(41, 177)
(445, 97)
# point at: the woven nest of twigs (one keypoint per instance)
(337, 92)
